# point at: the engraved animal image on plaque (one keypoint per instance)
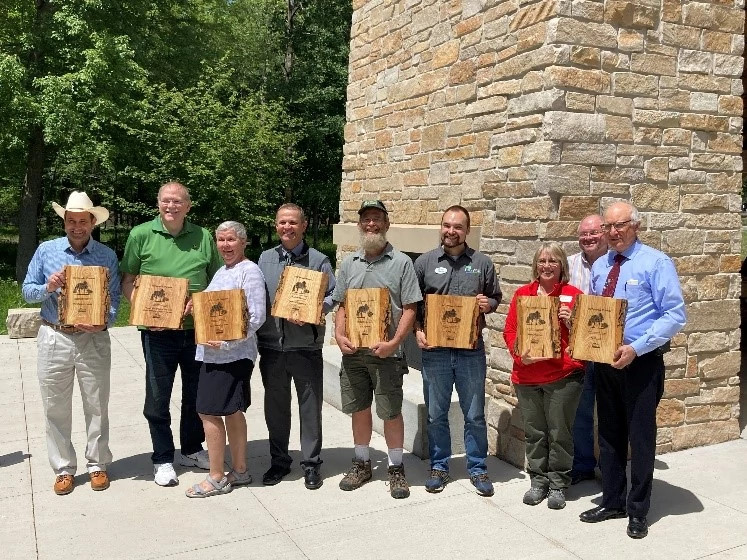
(368, 314)
(597, 327)
(220, 315)
(300, 295)
(158, 301)
(451, 321)
(84, 299)
(538, 326)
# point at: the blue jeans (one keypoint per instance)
(164, 351)
(583, 427)
(444, 368)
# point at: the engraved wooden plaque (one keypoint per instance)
(538, 326)
(220, 315)
(368, 314)
(451, 321)
(300, 295)
(597, 328)
(85, 296)
(158, 301)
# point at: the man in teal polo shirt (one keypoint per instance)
(171, 246)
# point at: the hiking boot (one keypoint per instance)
(556, 499)
(398, 486)
(357, 476)
(535, 495)
(436, 481)
(482, 484)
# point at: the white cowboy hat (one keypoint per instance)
(79, 202)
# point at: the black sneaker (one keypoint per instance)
(398, 486)
(357, 476)
(274, 475)
(482, 484)
(436, 481)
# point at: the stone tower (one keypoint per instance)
(533, 114)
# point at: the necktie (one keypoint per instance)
(288, 258)
(611, 283)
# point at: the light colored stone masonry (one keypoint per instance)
(533, 114)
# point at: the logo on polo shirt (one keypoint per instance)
(469, 269)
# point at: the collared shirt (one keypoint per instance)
(649, 281)
(52, 256)
(392, 270)
(468, 274)
(191, 254)
(247, 276)
(579, 269)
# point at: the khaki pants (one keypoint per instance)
(62, 357)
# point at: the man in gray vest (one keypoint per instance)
(292, 349)
(456, 269)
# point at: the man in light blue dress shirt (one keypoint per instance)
(67, 351)
(629, 390)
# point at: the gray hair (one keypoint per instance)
(634, 215)
(238, 229)
(177, 185)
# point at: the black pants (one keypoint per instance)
(305, 367)
(626, 408)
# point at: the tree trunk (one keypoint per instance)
(28, 218)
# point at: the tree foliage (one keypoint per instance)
(115, 98)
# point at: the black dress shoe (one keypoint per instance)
(311, 478)
(274, 475)
(597, 514)
(637, 527)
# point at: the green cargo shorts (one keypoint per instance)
(364, 376)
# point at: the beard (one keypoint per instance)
(372, 242)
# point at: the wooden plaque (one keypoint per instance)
(158, 301)
(85, 296)
(451, 321)
(300, 295)
(538, 326)
(597, 328)
(220, 315)
(368, 315)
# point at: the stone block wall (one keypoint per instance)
(533, 114)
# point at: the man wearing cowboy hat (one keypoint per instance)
(67, 351)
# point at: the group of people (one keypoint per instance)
(556, 396)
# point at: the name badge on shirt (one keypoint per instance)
(565, 298)
(440, 270)
(632, 282)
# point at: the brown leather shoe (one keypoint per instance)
(99, 480)
(64, 484)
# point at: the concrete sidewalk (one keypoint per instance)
(699, 503)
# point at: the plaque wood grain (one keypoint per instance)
(300, 295)
(538, 326)
(597, 327)
(220, 315)
(158, 301)
(84, 298)
(451, 321)
(368, 314)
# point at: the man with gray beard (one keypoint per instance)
(378, 370)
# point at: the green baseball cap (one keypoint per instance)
(366, 204)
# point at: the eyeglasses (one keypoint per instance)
(548, 262)
(171, 202)
(376, 220)
(592, 233)
(619, 226)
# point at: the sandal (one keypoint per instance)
(240, 479)
(218, 487)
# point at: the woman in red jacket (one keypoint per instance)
(548, 389)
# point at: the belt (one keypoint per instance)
(67, 329)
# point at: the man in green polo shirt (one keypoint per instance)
(171, 246)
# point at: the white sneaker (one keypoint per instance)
(199, 459)
(164, 474)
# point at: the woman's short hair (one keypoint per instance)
(556, 251)
(237, 227)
